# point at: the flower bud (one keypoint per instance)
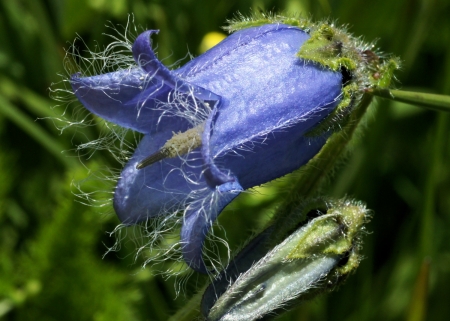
(314, 257)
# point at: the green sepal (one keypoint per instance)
(382, 76)
(326, 47)
(337, 119)
(321, 237)
(239, 22)
(319, 248)
(334, 233)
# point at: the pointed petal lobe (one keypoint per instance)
(199, 218)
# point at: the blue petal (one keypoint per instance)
(126, 97)
(270, 100)
(257, 132)
(136, 98)
(199, 218)
(162, 187)
(155, 190)
(230, 46)
(263, 100)
(145, 57)
(192, 94)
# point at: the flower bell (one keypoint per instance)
(253, 108)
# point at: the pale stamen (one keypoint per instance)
(179, 144)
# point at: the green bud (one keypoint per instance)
(312, 258)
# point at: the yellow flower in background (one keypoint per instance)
(210, 40)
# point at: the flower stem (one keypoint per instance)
(318, 168)
(429, 101)
(191, 310)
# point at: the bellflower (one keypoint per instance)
(233, 118)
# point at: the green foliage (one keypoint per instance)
(51, 246)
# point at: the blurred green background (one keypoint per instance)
(52, 245)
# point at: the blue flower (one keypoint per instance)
(231, 119)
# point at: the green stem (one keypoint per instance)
(418, 305)
(190, 311)
(431, 184)
(429, 101)
(320, 166)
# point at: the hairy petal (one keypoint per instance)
(264, 124)
(136, 98)
(193, 94)
(198, 219)
(255, 100)
(127, 98)
(158, 189)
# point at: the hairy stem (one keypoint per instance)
(318, 168)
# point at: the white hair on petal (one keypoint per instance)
(157, 240)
